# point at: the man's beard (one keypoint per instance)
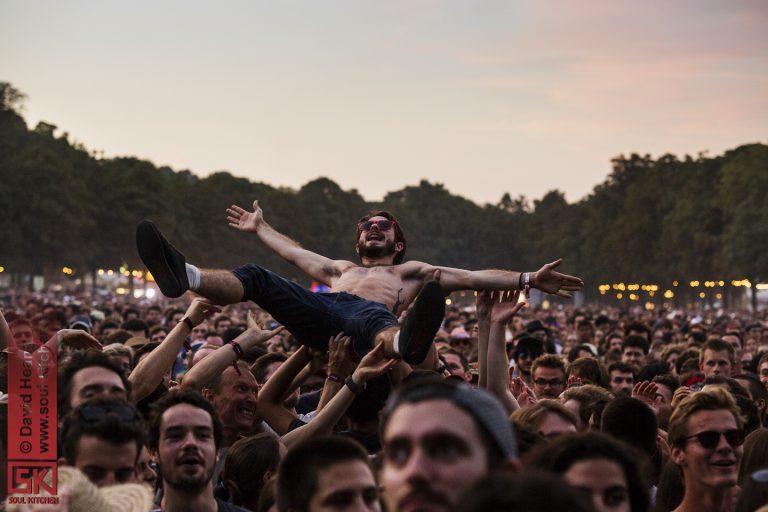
(188, 483)
(377, 251)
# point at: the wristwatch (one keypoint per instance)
(355, 388)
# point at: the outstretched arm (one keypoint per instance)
(318, 267)
(546, 279)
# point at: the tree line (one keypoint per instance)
(655, 220)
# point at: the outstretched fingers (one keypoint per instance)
(571, 281)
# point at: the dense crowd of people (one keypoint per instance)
(244, 392)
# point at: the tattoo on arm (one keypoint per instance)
(398, 302)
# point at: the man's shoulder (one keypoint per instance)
(412, 269)
(225, 506)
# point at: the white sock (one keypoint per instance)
(396, 343)
(193, 276)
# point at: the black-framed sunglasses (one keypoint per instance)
(383, 225)
(94, 412)
(711, 438)
(552, 383)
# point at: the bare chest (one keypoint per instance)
(381, 284)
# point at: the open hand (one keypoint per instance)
(244, 220)
(340, 355)
(201, 309)
(646, 391)
(550, 281)
(679, 394)
(77, 339)
(255, 331)
(373, 364)
(509, 306)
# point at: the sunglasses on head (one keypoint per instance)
(94, 413)
(383, 224)
(711, 438)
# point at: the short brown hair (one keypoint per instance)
(548, 361)
(710, 400)
(533, 415)
(718, 345)
(589, 368)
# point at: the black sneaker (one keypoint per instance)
(421, 324)
(165, 262)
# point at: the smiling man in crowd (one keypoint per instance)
(706, 435)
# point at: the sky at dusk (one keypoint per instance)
(485, 97)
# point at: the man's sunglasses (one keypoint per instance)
(383, 225)
(544, 382)
(711, 438)
(95, 413)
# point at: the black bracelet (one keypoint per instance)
(188, 323)
(355, 388)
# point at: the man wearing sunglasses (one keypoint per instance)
(365, 298)
(103, 438)
(706, 435)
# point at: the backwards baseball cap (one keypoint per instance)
(82, 322)
(483, 407)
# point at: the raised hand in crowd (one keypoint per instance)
(217, 361)
(74, 339)
(151, 370)
(340, 365)
(373, 364)
(503, 306)
(522, 392)
(679, 394)
(646, 392)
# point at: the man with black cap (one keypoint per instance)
(439, 439)
(527, 349)
(537, 329)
